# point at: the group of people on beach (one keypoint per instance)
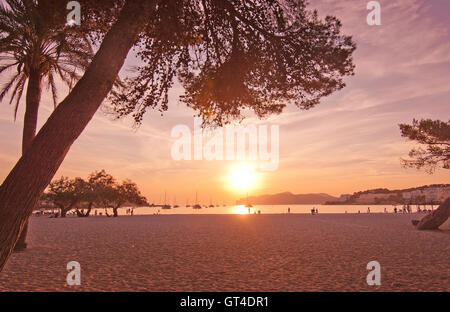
(408, 209)
(56, 214)
(404, 209)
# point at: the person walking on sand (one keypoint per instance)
(368, 209)
(289, 209)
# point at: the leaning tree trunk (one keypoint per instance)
(33, 99)
(438, 217)
(435, 219)
(22, 188)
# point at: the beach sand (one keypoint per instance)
(327, 252)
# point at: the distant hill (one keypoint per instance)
(287, 198)
(427, 194)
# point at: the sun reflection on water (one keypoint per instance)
(241, 209)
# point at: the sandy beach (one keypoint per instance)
(294, 252)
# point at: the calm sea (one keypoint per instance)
(267, 209)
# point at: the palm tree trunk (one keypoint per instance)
(435, 219)
(33, 99)
(24, 185)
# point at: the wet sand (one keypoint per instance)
(231, 253)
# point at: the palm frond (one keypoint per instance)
(54, 91)
(64, 53)
(7, 66)
(18, 97)
(8, 86)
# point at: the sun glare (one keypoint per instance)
(241, 177)
(241, 209)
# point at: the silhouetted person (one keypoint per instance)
(289, 209)
(395, 209)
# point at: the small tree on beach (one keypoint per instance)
(105, 192)
(101, 190)
(435, 135)
(229, 55)
(127, 193)
(66, 193)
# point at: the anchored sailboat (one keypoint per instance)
(248, 205)
(165, 206)
(196, 206)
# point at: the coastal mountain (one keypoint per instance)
(427, 194)
(287, 198)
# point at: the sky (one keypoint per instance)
(350, 142)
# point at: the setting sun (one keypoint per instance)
(242, 177)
